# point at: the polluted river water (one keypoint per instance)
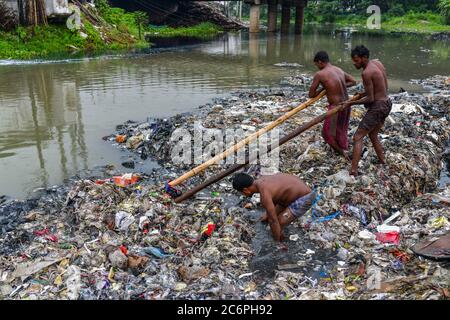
(54, 114)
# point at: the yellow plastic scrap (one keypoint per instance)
(58, 280)
(111, 274)
(64, 263)
(352, 288)
(439, 222)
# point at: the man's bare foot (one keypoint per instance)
(353, 173)
(263, 218)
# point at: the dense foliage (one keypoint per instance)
(335, 10)
(438, 11)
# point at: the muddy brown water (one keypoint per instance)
(53, 114)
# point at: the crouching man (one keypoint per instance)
(285, 198)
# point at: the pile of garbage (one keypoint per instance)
(124, 237)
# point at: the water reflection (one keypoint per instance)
(52, 116)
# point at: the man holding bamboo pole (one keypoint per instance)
(377, 102)
(335, 81)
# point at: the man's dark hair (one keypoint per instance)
(241, 181)
(322, 56)
(360, 51)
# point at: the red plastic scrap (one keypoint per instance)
(48, 236)
(123, 249)
(388, 237)
(102, 181)
(42, 232)
(52, 238)
(402, 256)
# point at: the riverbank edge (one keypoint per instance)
(393, 31)
(386, 29)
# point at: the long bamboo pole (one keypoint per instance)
(282, 141)
(246, 141)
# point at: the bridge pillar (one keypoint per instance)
(272, 16)
(254, 18)
(271, 47)
(253, 47)
(285, 17)
(299, 19)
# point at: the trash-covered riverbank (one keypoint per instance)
(124, 238)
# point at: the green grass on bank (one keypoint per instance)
(412, 22)
(58, 41)
(202, 30)
(35, 42)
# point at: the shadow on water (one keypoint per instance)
(160, 42)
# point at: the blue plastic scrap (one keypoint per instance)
(327, 218)
(322, 219)
(156, 252)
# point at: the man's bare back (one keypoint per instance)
(285, 198)
(282, 188)
(334, 80)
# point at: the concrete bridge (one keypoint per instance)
(272, 16)
(164, 7)
(286, 7)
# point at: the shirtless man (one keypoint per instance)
(285, 198)
(335, 82)
(376, 101)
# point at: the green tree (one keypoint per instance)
(396, 10)
(444, 7)
(102, 6)
(141, 19)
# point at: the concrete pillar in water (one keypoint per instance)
(299, 18)
(285, 18)
(272, 16)
(253, 48)
(254, 17)
(285, 46)
(298, 43)
(271, 48)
